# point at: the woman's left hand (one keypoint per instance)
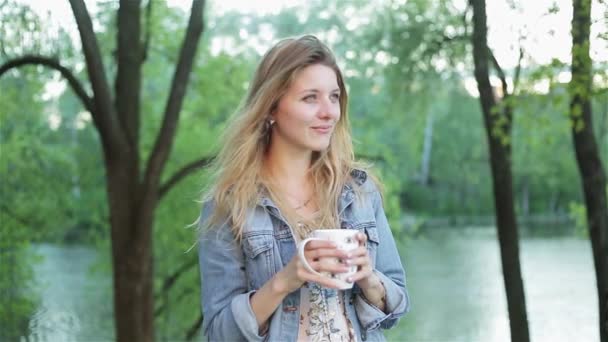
(365, 277)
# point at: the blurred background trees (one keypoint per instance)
(414, 114)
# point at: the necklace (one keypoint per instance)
(305, 225)
(303, 230)
(303, 204)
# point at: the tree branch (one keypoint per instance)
(2, 48)
(500, 72)
(194, 328)
(159, 310)
(164, 140)
(104, 117)
(507, 105)
(518, 70)
(480, 56)
(127, 84)
(146, 44)
(465, 20)
(170, 281)
(52, 63)
(172, 278)
(182, 173)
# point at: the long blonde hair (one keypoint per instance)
(238, 179)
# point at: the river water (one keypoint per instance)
(454, 278)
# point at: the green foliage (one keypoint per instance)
(401, 61)
(205, 110)
(18, 300)
(44, 156)
(578, 214)
(39, 166)
(174, 239)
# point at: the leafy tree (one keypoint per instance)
(405, 64)
(498, 119)
(17, 297)
(592, 173)
(133, 186)
(27, 204)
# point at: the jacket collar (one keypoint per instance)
(346, 197)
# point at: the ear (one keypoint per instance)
(273, 111)
(272, 116)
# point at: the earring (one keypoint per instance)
(267, 124)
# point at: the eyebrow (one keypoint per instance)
(317, 91)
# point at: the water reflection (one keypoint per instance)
(76, 304)
(49, 324)
(457, 289)
(454, 277)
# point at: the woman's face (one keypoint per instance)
(307, 114)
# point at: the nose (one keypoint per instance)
(329, 110)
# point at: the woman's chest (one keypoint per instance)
(269, 243)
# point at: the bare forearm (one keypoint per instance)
(266, 300)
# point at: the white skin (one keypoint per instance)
(304, 122)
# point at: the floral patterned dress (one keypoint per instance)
(323, 315)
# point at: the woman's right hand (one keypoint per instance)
(319, 255)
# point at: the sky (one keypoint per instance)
(547, 34)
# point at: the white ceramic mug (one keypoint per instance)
(345, 239)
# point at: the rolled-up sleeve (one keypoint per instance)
(390, 271)
(225, 300)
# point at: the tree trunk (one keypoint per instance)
(131, 258)
(132, 199)
(497, 121)
(592, 173)
(525, 197)
(131, 239)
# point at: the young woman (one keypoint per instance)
(286, 168)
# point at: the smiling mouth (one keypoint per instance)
(322, 129)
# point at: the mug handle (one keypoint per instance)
(302, 257)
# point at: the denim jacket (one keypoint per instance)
(232, 272)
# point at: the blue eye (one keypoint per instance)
(309, 98)
(335, 97)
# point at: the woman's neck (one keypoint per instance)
(290, 170)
